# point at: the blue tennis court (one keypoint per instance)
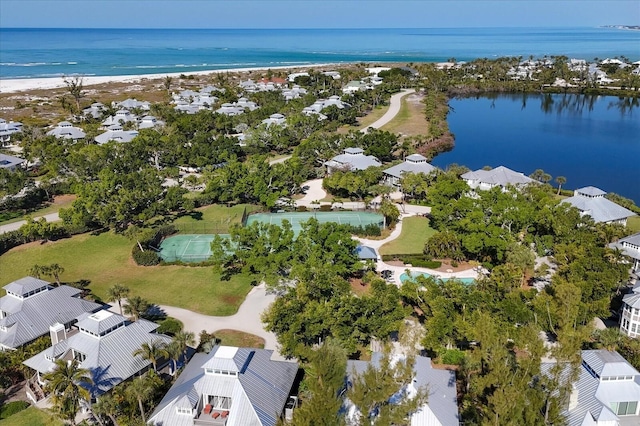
(298, 218)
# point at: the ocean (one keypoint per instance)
(36, 53)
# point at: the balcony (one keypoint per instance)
(204, 419)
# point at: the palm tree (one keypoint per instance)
(37, 271)
(68, 385)
(55, 270)
(560, 180)
(142, 390)
(107, 406)
(174, 351)
(116, 293)
(184, 339)
(136, 306)
(152, 351)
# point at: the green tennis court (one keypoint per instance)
(296, 219)
(187, 247)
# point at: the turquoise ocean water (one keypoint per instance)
(35, 53)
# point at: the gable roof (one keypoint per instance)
(258, 393)
(30, 318)
(110, 357)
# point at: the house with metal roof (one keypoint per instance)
(10, 162)
(133, 103)
(66, 130)
(414, 163)
(121, 116)
(499, 176)
(117, 134)
(591, 201)
(352, 159)
(606, 393)
(32, 305)
(102, 342)
(230, 386)
(149, 122)
(8, 128)
(441, 408)
(630, 318)
(630, 246)
(275, 120)
(95, 110)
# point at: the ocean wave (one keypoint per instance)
(27, 64)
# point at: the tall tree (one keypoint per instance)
(560, 180)
(68, 385)
(75, 87)
(142, 389)
(116, 293)
(324, 378)
(184, 339)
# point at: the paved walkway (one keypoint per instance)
(394, 108)
(280, 160)
(51, 217)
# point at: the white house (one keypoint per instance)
(500, 176)
(149, 122)
(66, 130)
(630, 246)
(121, 117)
(630, 318)
(352, 159)
(10, 162)
(32, 305)
(133, 104)
(230, 386)
(117, 134)
(414, 163)
(275, 120)
(95, 110)
(591, 201)
(102, 342)
(7, 129)
(606, 393)
(441, 408)
(355, 86)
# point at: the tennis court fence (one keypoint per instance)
(202, 227)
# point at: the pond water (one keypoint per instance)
(590, 140)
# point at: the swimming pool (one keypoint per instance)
(404, 277)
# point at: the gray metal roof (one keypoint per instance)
(591, 191)
(100, 321)
(501, 175)
(633, 300)
(24, 285)
(67, 131)
(353, 159)
(410, 166)
(116, 135)
(31, 317)
(110, 357)
(9, 161)
(258, 393)
(365, 253)
(594, 397)
(441, 407)
(599, 208)
(630, 246)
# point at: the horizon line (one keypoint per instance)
(308, 28)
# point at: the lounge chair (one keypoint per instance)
(225, 413)
(207, 408)
(215, 415)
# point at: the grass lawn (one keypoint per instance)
(106, 259)
(410, 120)
(32, 416)
(633, 223)
(239, 339)
(415, 232)
(372, 117)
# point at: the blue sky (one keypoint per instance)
(316, 13)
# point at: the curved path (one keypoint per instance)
(394, 108)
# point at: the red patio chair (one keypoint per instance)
(225, 414)
(215, 415)
(207, 408)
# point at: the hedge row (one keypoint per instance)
(419, 260)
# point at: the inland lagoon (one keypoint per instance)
(590, 140)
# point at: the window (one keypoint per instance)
(183, 410)
(78, 356)
(624, 408)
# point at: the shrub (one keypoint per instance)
(419, 260)
(302, 209)
(12, 408)
(145, 258)
(170, 326)
(452, 356)
(325, 208)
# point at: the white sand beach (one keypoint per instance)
(8, 85)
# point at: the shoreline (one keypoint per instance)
(18, 85)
